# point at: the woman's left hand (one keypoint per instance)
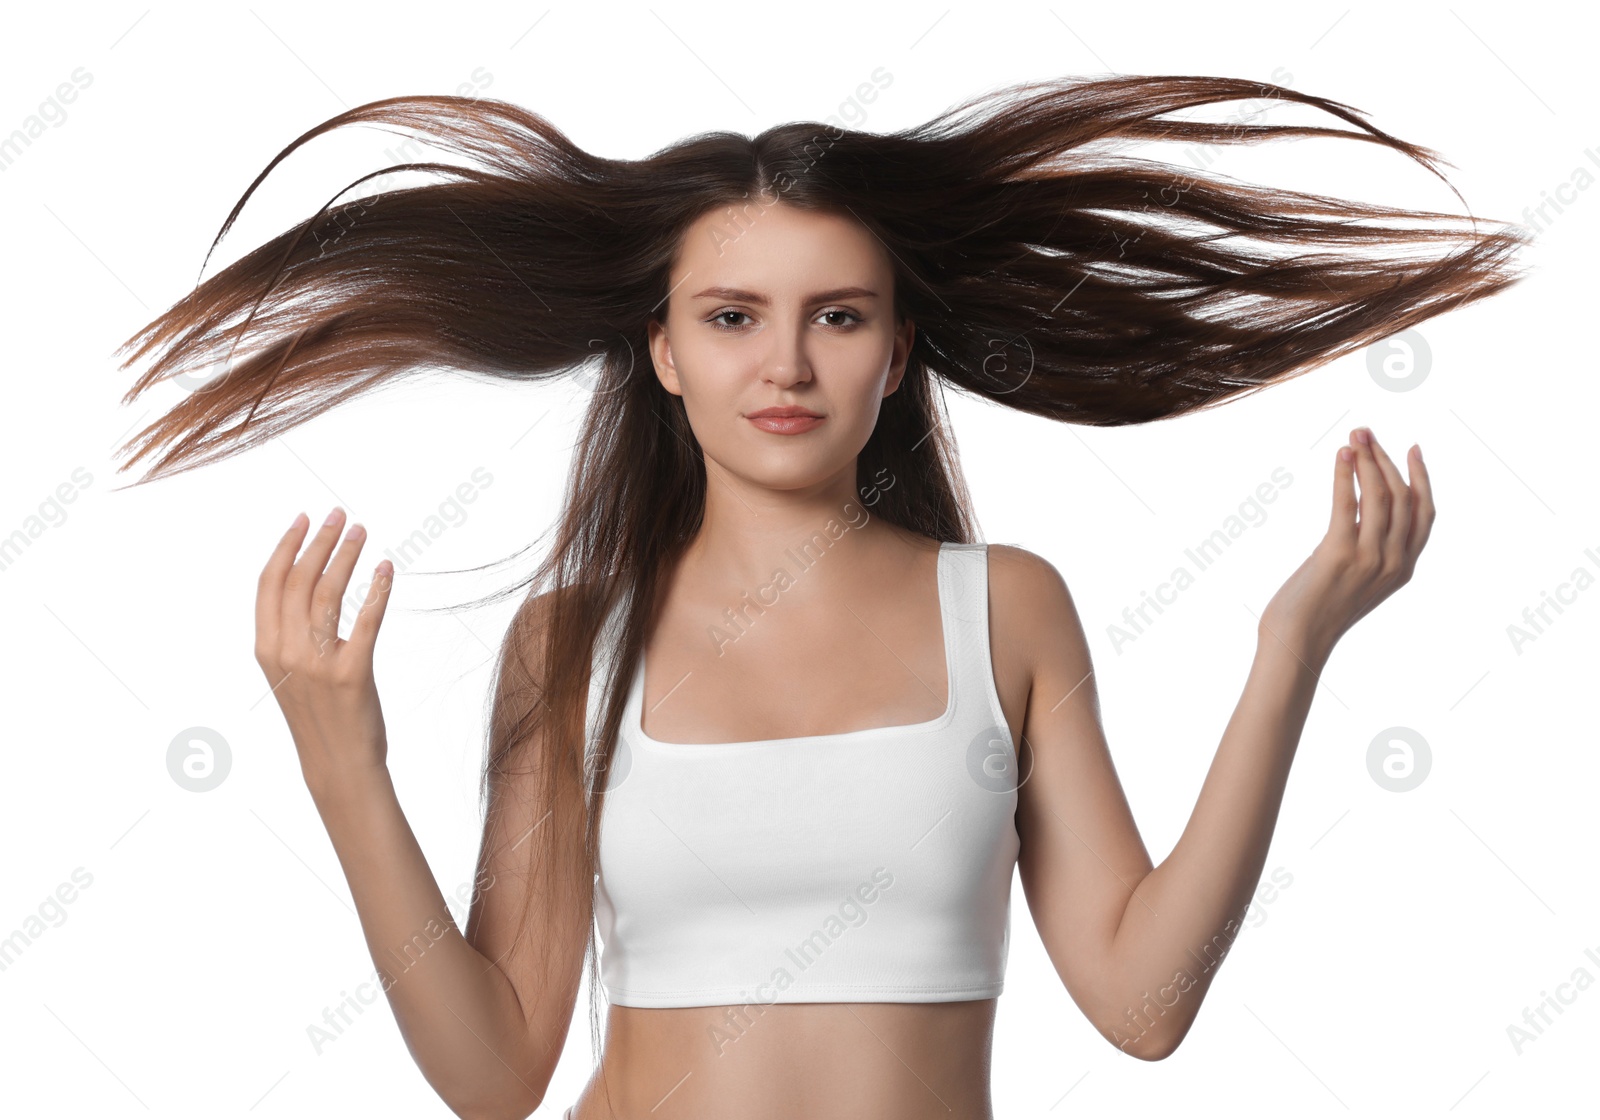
(1358, 564)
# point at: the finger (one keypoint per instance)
(1342, 524)
(364, 635)
(1401, 505)
(269, 587)
(303, 577)
(1422, 518)
(329, 594)
(1374, 498)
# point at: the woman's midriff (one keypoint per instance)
(794, 1061)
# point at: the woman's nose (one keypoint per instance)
(786, 362)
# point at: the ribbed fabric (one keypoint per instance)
(868, 866)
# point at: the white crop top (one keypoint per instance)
(863, 866)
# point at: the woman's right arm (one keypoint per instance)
(483, 1025)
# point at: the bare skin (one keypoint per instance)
(861, 647)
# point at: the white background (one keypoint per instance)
(218, 927)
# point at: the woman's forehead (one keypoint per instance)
(779, 251)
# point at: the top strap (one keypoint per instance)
(966, 605)
(602, 668)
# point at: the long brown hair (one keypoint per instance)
(1043, 272)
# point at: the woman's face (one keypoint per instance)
(781, 307)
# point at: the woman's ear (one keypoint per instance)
(661, 357)
(904, 335)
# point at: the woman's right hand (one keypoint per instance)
(323, 683)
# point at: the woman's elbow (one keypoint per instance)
(1152, 1049)
(1150, 1044)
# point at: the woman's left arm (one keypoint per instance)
(1137, 946)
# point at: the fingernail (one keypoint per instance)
(295, 524)
(333, 518)
(1364, 435)
(353, 533)
(1417, 447)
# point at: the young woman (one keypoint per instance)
(819, 724)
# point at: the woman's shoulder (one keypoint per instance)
(1015, 569)
(1015, 558)
(536, 611)
(1027, 593)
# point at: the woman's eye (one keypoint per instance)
(719, 319)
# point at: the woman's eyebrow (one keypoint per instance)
(744, 296)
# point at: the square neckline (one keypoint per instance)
(634, 724)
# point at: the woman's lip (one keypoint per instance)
(785, 425)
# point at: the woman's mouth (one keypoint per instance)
(784, 421)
